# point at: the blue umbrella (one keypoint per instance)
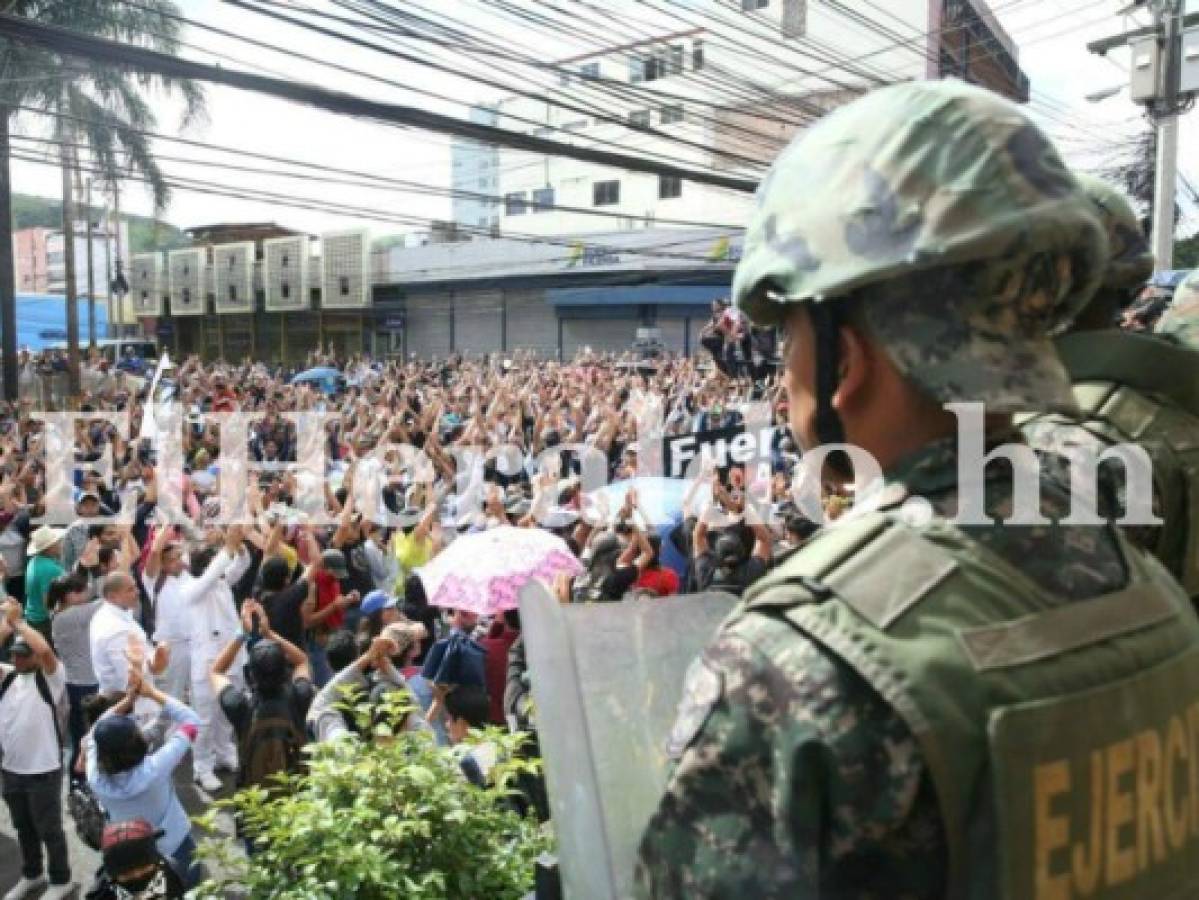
(326, 377)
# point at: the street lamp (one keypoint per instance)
(1104, 93)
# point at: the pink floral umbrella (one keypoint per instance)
(484, 572)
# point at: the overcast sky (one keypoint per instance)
(1051, 35)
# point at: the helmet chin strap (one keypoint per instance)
(826, 324)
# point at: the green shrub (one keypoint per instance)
(385, 819)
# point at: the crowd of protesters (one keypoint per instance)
(128, 644)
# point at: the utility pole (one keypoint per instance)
(1158, 82)
(8, 285)
(1165, 113)
(108, 266)
(91, 275)
(68, 255)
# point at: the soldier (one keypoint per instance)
(933, 710)
(1133, 388)
(1180, 321)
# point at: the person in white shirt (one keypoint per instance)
(165, 577)
(32, 690)
(114, 636)
(211, 613)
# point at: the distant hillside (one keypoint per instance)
(144, 233)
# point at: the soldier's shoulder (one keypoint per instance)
(760, 651)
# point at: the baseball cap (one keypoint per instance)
(129, 845)
(335, 562)
(115, 733)
(375, 601)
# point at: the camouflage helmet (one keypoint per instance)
(1181, 318)
(948, 212)
(1130, 262)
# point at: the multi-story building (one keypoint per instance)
(30, 260)
(724, 91)
(104, 255)
(475, 176)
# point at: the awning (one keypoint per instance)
(635, 295)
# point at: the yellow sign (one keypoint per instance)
(720, 250)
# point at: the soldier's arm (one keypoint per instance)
(792, 755)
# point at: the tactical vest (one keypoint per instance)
(1134, 388)
(1062, 740)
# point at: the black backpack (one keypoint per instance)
(273, 743)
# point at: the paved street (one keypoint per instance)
(84, 860)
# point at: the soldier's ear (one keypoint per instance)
(857, 364)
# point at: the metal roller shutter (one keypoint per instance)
(477, 328)
(601, 335)
(428, 326)
(532, 324)
(674, 333)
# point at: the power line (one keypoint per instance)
(377, 215)
(379, 48)
(75, 43)
(378, 78)
(393, 184)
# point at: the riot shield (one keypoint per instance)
(607, 678)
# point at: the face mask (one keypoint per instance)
(150, 885)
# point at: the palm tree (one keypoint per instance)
(96, 108)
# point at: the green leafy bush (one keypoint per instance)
(385, 819)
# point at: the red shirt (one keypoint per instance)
(224, 401)
(327, 590)
(499, 640)
(662, 582)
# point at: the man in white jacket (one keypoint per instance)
(214, 620)
(195, 609)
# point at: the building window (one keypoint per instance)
(655, 66)
(185, 268)
(343, 285)
(514, 204)
(636, 69)
(669, 186)
(233, 293)
(675, 64)
(285, 290)
(795, 18)
(639, 118)
(589, 70)
(751, 5)
(697, 55)
(543, 199)
(187, 296)
(605, 193)
(284, 260)
(145, 296)
(232, 263)
(671, 114)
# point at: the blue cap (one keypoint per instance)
(115, 733)
(375, 601)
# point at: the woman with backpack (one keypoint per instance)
(132, 783)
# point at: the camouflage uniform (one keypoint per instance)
(1180, 322)
(952, 219)
(1127, 406)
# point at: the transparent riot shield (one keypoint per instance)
(607, 678)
